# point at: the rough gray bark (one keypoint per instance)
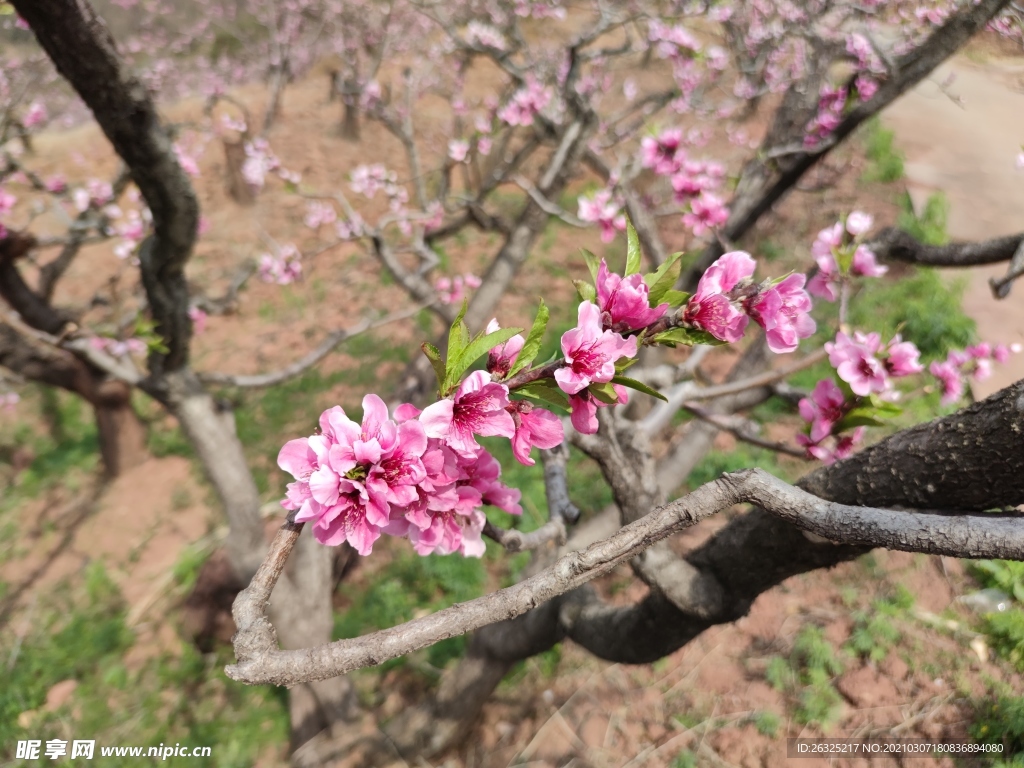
(895, 244)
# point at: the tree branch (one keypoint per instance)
(308, 360)
(260, 660)
(81, 48)
(895, 244)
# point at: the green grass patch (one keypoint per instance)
(875, 632)
(930, 225)
(80, 634)
(886, 161)
(1006, 635)
(806, 676)
(1000, 720)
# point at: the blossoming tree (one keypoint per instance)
(416, 469)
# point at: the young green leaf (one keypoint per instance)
(531, 348)
(632, 250)
(476, 349)
(639, 386)
(687, 336)
(860, 417)
(544, 391)
(675, 298)
(436, 361)
(458, 336)
(661, 281)
(605, 393)
(593, 263)
(625, 362)
(585, 290)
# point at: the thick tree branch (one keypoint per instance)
(260, 660)
(894, 244)
(80, 46)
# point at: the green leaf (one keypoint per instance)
(885, 408)
(639, 386)
(458, 336)
(858, 417)
(605, 393)
(476, 349)
(585, 290)
(687, 336)
(871, 414)
(531, 348)
(544, 391)
(436, 361)
(632, 250)
(593, 263)
(675, 298)
(625, 362)
(661, 281)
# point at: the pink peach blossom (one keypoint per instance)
(584, 408)
(501, 359)
(864, 263)
(534, 427)
(349, 476)
(709, 308)
(476, 408)
(824, 409)
(783, 311)
(855, 362)
(625, 301)
(590, 352)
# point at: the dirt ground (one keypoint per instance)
(704, 698)
(939, 128)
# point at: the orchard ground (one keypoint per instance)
(94, 579)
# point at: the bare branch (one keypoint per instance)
(896, 244)
(1001, 287)
(518, 541)
(556, 488)
(260, 661)
(308, 360)
(741, 430)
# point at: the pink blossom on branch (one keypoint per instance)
(605, 211)
(584, 408)
(534, 427)
(783, 311)
(663, 153)
(864, 263)
(856, 363)
(501, 359)
(903, 358)
(844, 445)
(858, 223)
(706, 212)
(349, 476)
(710, 309)
(625, 301)
(950, 380)
(476, 408)
(590, 352)
(823, 409)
